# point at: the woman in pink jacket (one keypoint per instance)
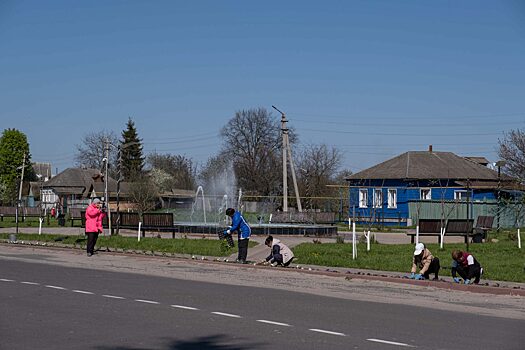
(94, 216)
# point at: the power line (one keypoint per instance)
(400, 134)
(418, 117)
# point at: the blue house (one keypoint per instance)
(386, 192)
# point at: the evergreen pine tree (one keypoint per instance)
(131, 152)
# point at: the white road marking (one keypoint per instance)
(112, 296)
(184, 307)
(30, 283)
(6, 280)
(147, 301)
(327, 332)
(390, 342)
(55, 287)
(225, 314)
(81, 291)
(274, 323)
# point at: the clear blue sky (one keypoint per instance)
(373, 78)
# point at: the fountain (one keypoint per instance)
(195, 203)
(225, 184)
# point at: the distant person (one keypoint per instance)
(427, 263)
(467, 266)
(280, 254)
(243, 230)
(94, 215)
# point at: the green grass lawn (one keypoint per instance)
(501, 261)
(28, 222)
(206, 247)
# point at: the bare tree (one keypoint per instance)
(512, 151)
(342, 175)
(319, 167)
(142, 192)
(179, 168)
(252, 140)
(91, 152)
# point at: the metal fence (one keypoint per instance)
(508, 214)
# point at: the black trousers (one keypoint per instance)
(243, 249)
(91, 241)
(433, 268)
(278, 258)
(469, 272)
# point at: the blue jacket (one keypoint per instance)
(240, 225)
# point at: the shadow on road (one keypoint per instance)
(214, 342)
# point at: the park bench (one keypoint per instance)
(483, 226)
(158, 222)
(427, 227)
(459, 227)
(23, 212)
(76, 214)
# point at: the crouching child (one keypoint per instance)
(280, 254)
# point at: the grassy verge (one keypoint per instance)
(28, 222)
(501, 261)
(206, 247)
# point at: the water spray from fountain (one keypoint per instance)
(195, 203)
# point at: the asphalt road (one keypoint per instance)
(46, 306)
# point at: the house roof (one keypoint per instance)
(100, 187)
(178, 193)
(75, 181)
(427, 165)
(480, 160)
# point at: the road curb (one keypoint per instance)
(306, 269)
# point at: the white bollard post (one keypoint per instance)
(40, 225)
(349, 224)
(417, 234)
(442, 236)
(354, 245)
(368, 241)
(519, 239)
(138, 233)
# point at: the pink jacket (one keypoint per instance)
(94, 218)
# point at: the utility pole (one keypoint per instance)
(288, 152)
(108, 208)
(119, 179)
(19, 200)
(499, 164)
(468, 212)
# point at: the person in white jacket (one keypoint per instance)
(280, 254)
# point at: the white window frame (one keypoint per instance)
(460, 195)
(378, 197)
(363, 198)
(392, 198)
(425, 198)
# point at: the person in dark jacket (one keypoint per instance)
(280, 254)
(243, 230)
(466, 266)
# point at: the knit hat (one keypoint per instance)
(96, 200)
